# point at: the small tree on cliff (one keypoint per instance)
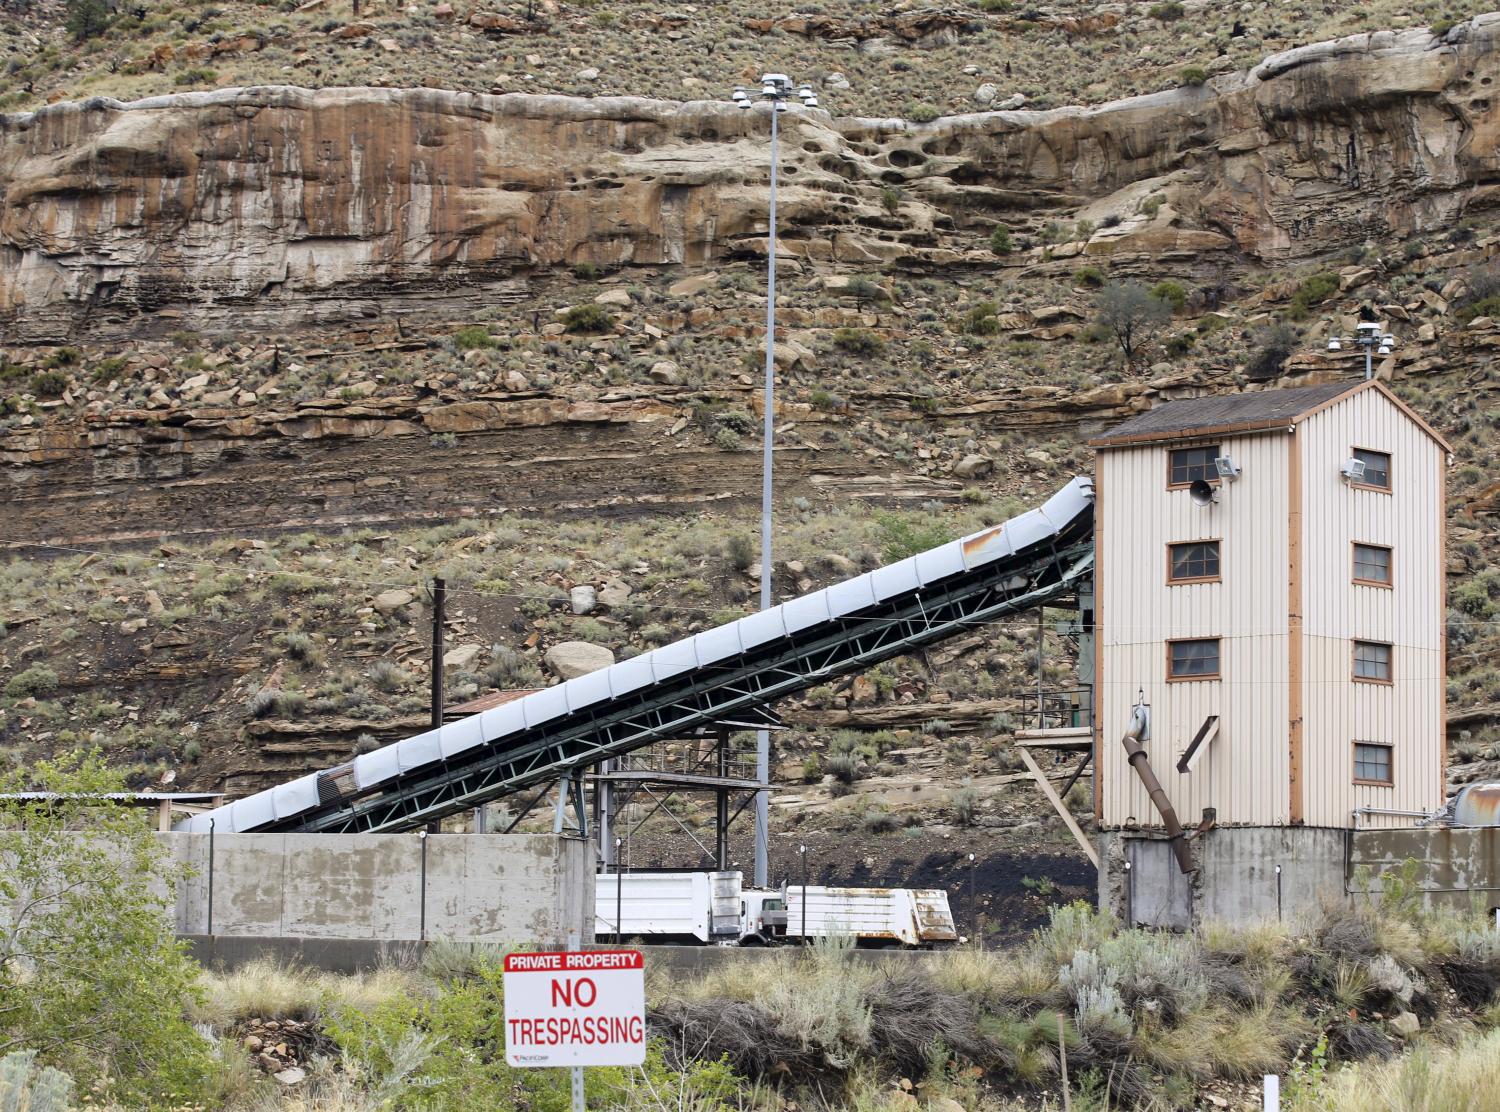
(87, 19)
(91, 976)
(1132, 315)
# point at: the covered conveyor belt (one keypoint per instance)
(714, 677)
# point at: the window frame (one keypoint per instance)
(1217, 577)
(1390, 648)
(1196, 677)
(1216, 447)
(1361, 484)
(1390, 565)
(1390, 764)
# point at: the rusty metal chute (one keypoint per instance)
(1135, 753)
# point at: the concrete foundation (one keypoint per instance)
(1456, 867)
(385, 887)
(1249, 874)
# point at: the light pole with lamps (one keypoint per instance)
(802, 852)
(776, 89)
(1368, 335)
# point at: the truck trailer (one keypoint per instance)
(717, 908)
(914, 917)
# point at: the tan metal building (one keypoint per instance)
(1270, 581)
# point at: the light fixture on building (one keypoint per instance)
(1353, 470)
(1226, 468)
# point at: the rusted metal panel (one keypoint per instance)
(1477, 805)
(934, 916)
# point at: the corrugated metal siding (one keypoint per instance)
(1409, 713)
(1244, 774)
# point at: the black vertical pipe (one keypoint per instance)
(422, 922)
(721, 804)
(439, 591)
(804, 898)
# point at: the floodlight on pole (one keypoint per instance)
(1369, 335)
(777, 89)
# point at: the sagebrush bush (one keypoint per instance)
(587, 318)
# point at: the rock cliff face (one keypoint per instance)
(264, 208)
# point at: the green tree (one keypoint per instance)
(91, 976)
(1132, 315)
(87, 19)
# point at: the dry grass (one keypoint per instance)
(272, 990)
(1464, 1078)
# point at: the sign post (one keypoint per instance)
(574, 1009)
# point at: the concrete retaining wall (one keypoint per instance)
(1237, 882)
(354, 955)
(1236, 879)
(1455, 867)
(386, 887)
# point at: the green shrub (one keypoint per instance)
(922, 113)
(825, 401)
(585, 271)
(37, 679)
(1167, 11)
(981, 320)
(1484, 307)
(1441, 27)
(865, 289)
(107, 369)
(61, 357)
(1170, 292)
(587, 318)
(94, 977)
(1310, 291)
(195, 77)
(1089, 277)
(1275, 344)
(996, 5)
(739, 548)
(49, 384)
(1000, 242)
(901, 536)
(727, 440)
(1193, 76)
(473, 337)
(890, 200)
(860, 341)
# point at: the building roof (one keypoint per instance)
(1250, 412)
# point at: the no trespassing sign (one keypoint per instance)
(585, 1008)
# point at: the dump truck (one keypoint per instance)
(687, 907)
(717, 908)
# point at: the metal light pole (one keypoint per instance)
(1368, 335)
(802, 852)
(776, 89)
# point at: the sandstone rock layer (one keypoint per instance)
(270, 207)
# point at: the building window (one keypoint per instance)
(1192, 561)
(1372, 661)
(1372, 763)
(1184, 465)
(1372, 564)
(1377, 468)
(1197, 659)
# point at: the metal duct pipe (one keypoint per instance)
(1135, 753)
